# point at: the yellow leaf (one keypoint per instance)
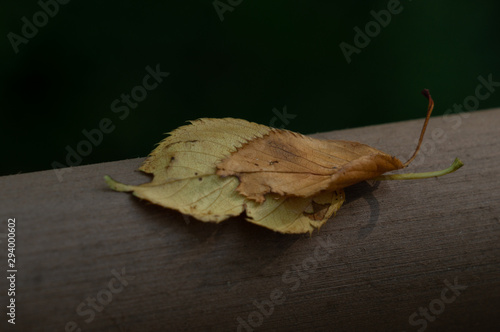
(294, 214)
(184, 169)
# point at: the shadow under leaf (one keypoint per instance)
(365, 190)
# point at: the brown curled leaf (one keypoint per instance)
(291, 164)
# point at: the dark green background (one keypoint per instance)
(264, 55)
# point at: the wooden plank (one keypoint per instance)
(393, 248)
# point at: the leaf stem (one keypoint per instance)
(115, 185)
(430, 107)
(413, 176)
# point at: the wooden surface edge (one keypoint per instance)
(383, 263)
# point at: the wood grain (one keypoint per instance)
(391, 249)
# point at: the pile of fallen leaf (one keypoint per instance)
(214, 169)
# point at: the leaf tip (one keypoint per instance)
(457, 163)
(115, 185)
(426, 93)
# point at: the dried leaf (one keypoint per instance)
(214, 169)
(185, 179)
(291, 164)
